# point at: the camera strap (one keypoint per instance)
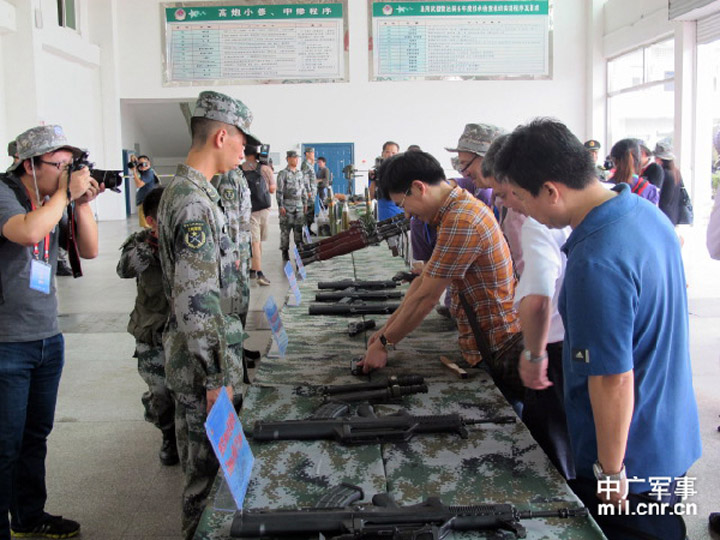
(71, 246)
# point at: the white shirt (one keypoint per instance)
(544, 269)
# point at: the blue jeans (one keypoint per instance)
(29, 379)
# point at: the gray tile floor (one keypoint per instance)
(102, 463)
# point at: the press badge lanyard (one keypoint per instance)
(40, 270)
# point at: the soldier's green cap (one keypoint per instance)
(217, 106)
(41, 140)
(477, 138)
(291, 153)
(592, 144)
(309, 149)
(12, 149)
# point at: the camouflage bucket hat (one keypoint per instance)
(476, 139)
(664, 151)
(217, 106)
(291, 153)
(41, 140)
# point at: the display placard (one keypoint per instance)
(256, 42)
(460, 40)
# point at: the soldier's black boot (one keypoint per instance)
(285, 255)
(168, 450)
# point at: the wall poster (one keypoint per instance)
(255, 41)
(420, 39)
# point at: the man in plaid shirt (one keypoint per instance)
(471, 257)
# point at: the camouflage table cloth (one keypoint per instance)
(496, 463)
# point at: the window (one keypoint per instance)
(640, 89)
(67, 15)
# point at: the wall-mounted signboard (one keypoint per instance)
(420, 39)
(256, 42)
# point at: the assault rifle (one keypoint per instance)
(355, 328)
(362, 233)
(345, 284)
(368, 429)
(355, 294)
(382, 391)
(429, 520)
(348, 307)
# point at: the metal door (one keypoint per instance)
(338, 155)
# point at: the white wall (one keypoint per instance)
(431, 114)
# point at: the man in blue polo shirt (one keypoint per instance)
(629, 398)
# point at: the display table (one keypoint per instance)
(496, 463)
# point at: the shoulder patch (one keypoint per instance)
(195, 234)
(581, 355)
(228, 194)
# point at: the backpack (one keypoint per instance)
(259, 194)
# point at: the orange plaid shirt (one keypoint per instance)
(472, 251)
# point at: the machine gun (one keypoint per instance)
(357, 294)
(349, 307)
(429, 520)
(381, 391)
(367, 428)
(362, 233)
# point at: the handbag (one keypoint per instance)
(685, 210)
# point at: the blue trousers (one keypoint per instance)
(29, 379)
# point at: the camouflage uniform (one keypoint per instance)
(199, 261)
(140, 260)
(235, 194)
(308, 170)
(292, 195)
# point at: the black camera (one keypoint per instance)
(111, 179)
(264, 154)
(608, 164)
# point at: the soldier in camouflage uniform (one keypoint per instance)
(308, 170)
(292, 199)
(140, 260)
(198, 258)
(235, 196)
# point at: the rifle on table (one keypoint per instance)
(429, 520)
(367, 428)
(348, 307)
(355, 294)
(362, 233)
(355, 328)
(382, 391)
(353, 284)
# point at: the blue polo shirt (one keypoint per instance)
(624, 307)
(387, 209)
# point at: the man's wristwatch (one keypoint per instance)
(386, 344)
(527, 355)
(600, 473)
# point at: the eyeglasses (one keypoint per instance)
(401, 204)
(59, 165)
(466, 167)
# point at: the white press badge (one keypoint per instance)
(40, 276)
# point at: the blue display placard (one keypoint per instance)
(306, 234)
(227, 438)
(299, 264)
(290, 273)
(272, 314)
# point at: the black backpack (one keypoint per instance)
(259, 194)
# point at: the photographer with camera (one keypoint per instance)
(386, 208)
(33, 197)
(145, 181)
